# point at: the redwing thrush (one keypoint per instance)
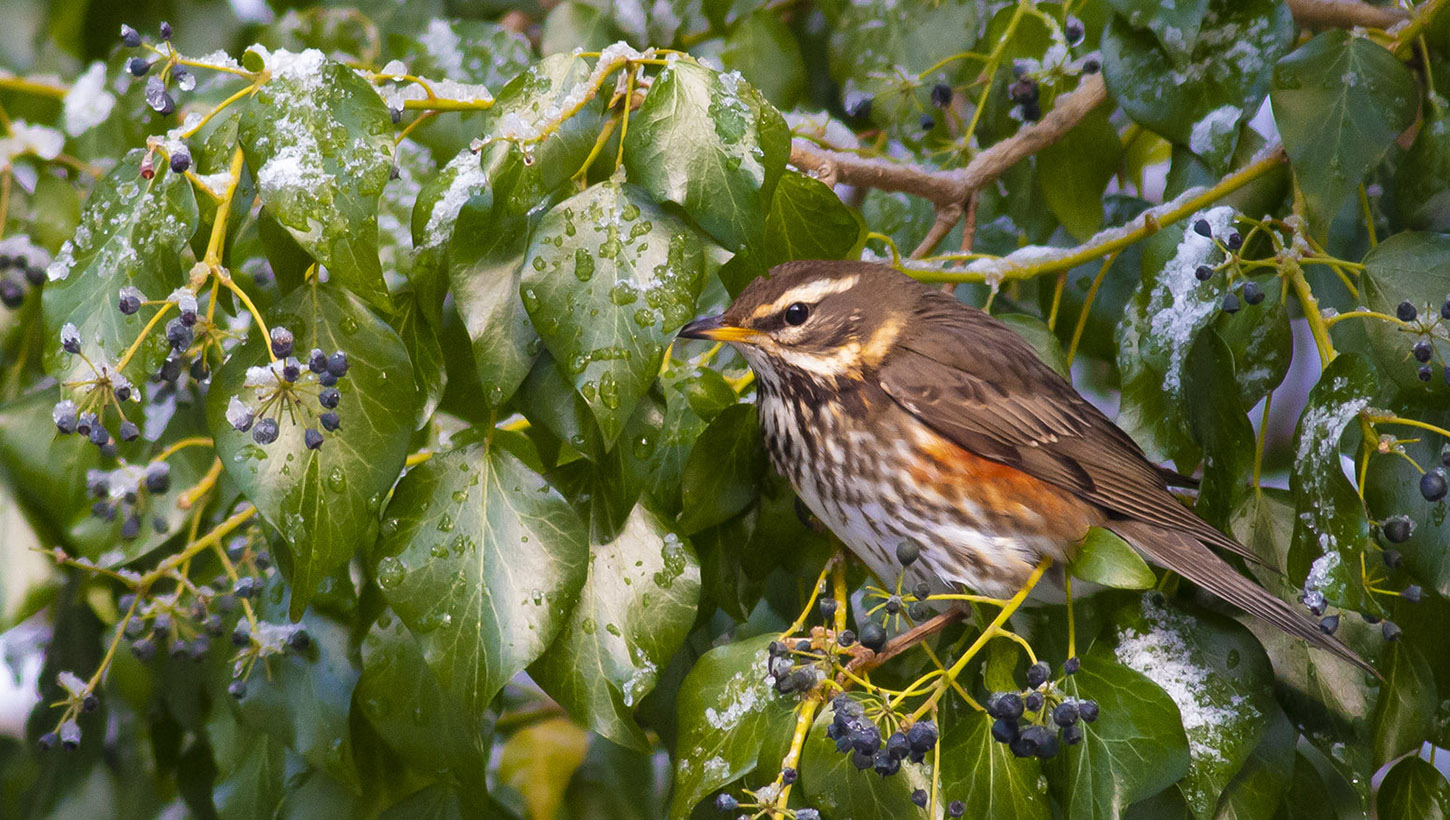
(902, 415)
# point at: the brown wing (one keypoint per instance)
(1007, 405)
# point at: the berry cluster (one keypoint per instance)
(17, 270)
(127, 493)
(281, 387)
(1036, 723)
(1422, 350)
(1026, 75)
(158, 85)
(857, 735)
(107, 386)
(1231, 244)
(795, 668)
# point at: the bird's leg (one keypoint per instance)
(1071, 624)
(991, 631)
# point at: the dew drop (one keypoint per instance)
(390, 573)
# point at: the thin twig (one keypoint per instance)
(1344, 14)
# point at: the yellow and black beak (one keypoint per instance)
(711, 327)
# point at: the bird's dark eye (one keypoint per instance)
(797, 313)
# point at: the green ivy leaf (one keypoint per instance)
(1407, 699)
(808, 221)
(1199, 103)
(250, 769)
(1422, 179)
(320, 141)
(425, 351)
(1219, 678)
(634, 612)
(723, 472)
(132, 232)
(611, 276)
(659, 441)
(325, 502)
(1330, 530)
(1340, 100)
(1074, 171)
(762, 47)
(1415, 267)
(1136, 748)
(401, 698)
(483, 561)
(303, 698)
(41, 468)
(1413, 790)
(1166, 314)
(1254, 793)
(485, 261)
(1175, 25)
(829, 781)
(729, 722)
(1219, 424)
(990, 781)
(1106, 559)
(710, 143)
(466, 51)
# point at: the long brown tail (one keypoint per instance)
(1189, 557)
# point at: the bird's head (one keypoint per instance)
(823, 320)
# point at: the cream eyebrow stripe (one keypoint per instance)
(809, 293)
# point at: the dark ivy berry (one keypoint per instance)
(922, 590)
(956, 808)
(138, 67)
(329, 397)
(873, 637)
(1406, 312)
(828, 608)
(158, 477)
(129, 302)
(861, 109)
(1203, 273)
(1073, 31)
(1252, 294)
(1065, 714)
(893, 604)
(1091, 65)
(1005, 705)
(179, 335)
(941, 95)
(337, 364)
(1446, 374)
(1033, 702)
(330, 421)
(862, 760)
(1397, 530)
(1038, 673)
(130, 37)
(12, 293)
(1071, 665)
(326, 379)
(919, 797)
(807, 814)
(1235, 241)
(128, 430)
(70, 735)
(1445, 309)
(1425, 373)
(884, 764)
(90, 702)
(65, 417)
(922, 736)
(237, 689)
(35, 275)
(170, 370)
(1231, 302)
(181, 161)
(1004, 731)
(265, 431)
(1412, 593)
(291, 371)
(317, 361)
(1024, 91)
(144, 649)
(928, 122)
(241, 636)
(48, 741)
(919, 612)
(897, 746)
(1202, 228)
(165, 31)
(1390, 630)
(1432, 484)
(788, 775)
(1087, 710)
(845, 638)
(1071, 735)
(245, 587)
(1422, 350)
(866, 739)
(281, 342)
(99, 436)
(312, 438)
(1329, 624)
